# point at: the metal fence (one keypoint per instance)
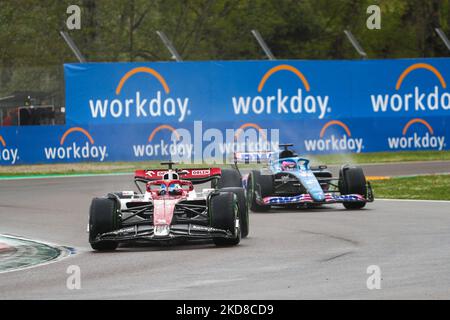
(32, 96)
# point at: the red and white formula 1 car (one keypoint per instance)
(169, 208)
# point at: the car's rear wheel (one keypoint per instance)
(103, 217)
(223, 210)
(228, 178)
(243, 209)
(352, 181)
(261, 183)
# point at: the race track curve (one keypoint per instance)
(317, 253)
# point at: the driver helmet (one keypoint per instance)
(287, 165)
(162, 189)
(175, 188)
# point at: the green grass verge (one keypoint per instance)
(427, 187)
(383, 157)
(79, 168)
(118, 167)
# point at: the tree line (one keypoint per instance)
(125, 30)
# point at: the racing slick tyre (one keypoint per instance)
(223, 210)
(103, 217)
(243, 209)
(262, 183)
(352, 181)
(228, 178)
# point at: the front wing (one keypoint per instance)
(306, 198)
(176, 231)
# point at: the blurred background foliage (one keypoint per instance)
(32, 51)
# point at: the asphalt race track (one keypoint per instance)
(316, 253)
(402, 168)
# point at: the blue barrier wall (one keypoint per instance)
(123, 111)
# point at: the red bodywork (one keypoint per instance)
(164, 203)
(194, 175)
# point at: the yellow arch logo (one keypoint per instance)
(76, 129)
(281, 67)
(335, 123)
(416, 66)
(2, 141)
(161, 127)
(137, 70)
(417, 120)
(241, 129)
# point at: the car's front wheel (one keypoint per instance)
(223, 210)
(352, 181)
(103, 217)
(243, 209)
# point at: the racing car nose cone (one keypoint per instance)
(162, 230)
(318, 196)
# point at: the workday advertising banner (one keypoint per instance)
(130, 111)
(141, 142)
(112, 93)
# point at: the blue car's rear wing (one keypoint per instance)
(262, 157)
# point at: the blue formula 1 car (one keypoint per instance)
(288, 180)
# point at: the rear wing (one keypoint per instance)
(262, 157)
(196, 176)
